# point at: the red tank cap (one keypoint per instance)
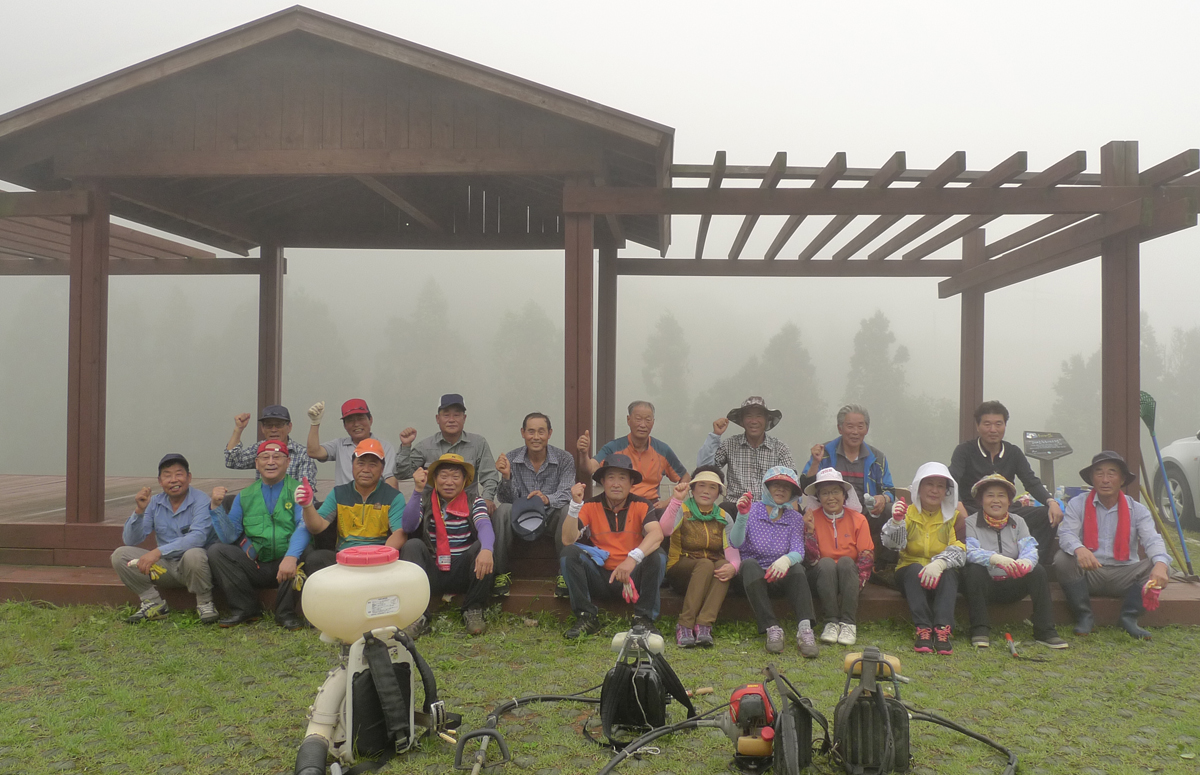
(367, 555)
(768, 733)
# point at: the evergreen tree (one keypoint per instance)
(665, 373)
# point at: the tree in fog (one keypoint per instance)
(526, 375)
(666, 370)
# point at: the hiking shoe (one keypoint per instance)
(642, 621)
(207, 612)
(502, 585)
(807, 642)
(473, 619)
(924, 641)
(150, 610)
(417, 628)
(585, 624)
(1053, 642)
(560, 588)
(848, 634)
(941, 637)
(830, 633)
(981, 641)
(775, 640)
(684, 637)
(704, 637)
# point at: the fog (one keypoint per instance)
(754, 79)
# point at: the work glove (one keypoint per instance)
(300, 577)
(931, 574)
(779, 568)
(629, 592)
(899, 510)
(316, 412)
(1150, 594)
(743, 504)
(157, 572)
(304, 493)
(1021, 568)
(1004, 563)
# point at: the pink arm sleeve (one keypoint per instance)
(734, 556)
(667, 520)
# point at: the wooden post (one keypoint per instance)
(1120, 324)
(606, 346)
(970, 358)
(577, 404)
(270, 326)
(87, 360)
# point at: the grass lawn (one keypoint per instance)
(80, 691)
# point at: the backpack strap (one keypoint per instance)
(793, 696)
(672, 683)
(391, 700)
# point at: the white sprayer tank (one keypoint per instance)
(369, 587)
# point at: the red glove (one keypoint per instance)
(899, 510)
(629, 592)
(743, 504)
(304, 493)
(1150, 594)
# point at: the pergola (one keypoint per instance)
(302, 130)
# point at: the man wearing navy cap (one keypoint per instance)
(450, 439)
(179, 520)
(275, 423)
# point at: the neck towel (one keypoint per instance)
(1091, 531)
(459, 508)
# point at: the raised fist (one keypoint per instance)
(304, 493)
(420, 477)
(817, 452)
(241, 421)
(503, 466)
(408, 436)
(218, 495)
(899, 510)
(316, 412)
(584, 444)
(682, 491)
(743, 503)
(578, 491)
(720, 425)
(142, 500)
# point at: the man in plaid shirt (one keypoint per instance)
(747, 456)
(276, 425)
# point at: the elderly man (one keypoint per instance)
(609, 548)
(451, 537)
(275, 423)
(651, 458)
(451, 439)
(1099, 540)
(357, 420)
(535, 482)
(747, 456)
(368, 510)
(178, 519)
(989, 454)
(262, 541)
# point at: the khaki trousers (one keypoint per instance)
(702, 592)
(189, 571)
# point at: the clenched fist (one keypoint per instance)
(141, 500)
(420, 477)
(316, 412)
(218, 496)
(743, 503)
(817, 452)
(241, 421)
(503, 467)
(682, 491)
(899, 510)
(408, 436)
(578, 491)
(719, 426)
(304, 493)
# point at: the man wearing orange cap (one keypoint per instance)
(357, 420)
(368, 510)
(262, 541)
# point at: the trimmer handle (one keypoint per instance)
(488, 734)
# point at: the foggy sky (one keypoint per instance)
(751, 79)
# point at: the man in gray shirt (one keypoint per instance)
(357, 420)
(451, 417)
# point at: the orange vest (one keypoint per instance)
(614, 537)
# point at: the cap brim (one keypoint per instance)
(811, 490)
(470, 469)
(1086, 473)
(773, 416)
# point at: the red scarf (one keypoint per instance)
(459, 508)
(1091, 532)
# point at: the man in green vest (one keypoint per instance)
(262, 542)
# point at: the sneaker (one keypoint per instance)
(150, 610)
(585, 624)
(807, 642)
(704, 637)
(473, 619)
(981, 641)
(830, 633)
(848, 634)
(684, 637)
(924, 642)
(775, 640)
(502, 585)
(941, 636)
(1053, 642)
(417, 628)
(207, 612)
(560, 588)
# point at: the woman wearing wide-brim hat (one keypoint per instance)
(839, 551)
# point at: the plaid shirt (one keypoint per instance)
(744, 465)
(300, 464)
(554, 480)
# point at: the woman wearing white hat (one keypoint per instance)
(839, 551)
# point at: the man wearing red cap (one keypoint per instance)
(367, 509)
(356, 419)
(262, 542)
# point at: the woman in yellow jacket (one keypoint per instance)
(930, 554)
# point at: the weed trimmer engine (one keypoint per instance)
(766, 735)
(750, 726)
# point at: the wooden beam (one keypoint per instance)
(402, 204)
(1065, 169)
(830, 175)
(406, 161)
(19, 204)
(241, 235)
(135, 266)
(1171, 169)
(714, 182)
(1032, 232)
(1002, 173)
(948, 170)
(674, 267)
(855, 174)
(971, 341)
(881, 180)
(270, 326)
(577, 383)
(606, 346)
(770, 180)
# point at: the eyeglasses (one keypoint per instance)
(269, 456)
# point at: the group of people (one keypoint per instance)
(745, 516)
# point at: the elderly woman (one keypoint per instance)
(1002, 564)
(700, 561)
(770, 534)
(839, 551)
(930, 553)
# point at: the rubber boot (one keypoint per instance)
(1131, 609)
(1080, 602)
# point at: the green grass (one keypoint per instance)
(80, 691)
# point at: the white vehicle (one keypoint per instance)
(1181, 459)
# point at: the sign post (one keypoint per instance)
(1046, 447)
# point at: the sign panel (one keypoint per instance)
(1043, 445)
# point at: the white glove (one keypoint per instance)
(1000, 561)
(779, 568)
(899, 510)
(931, 574)
(316, 412)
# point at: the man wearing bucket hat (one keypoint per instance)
(451, 536)
(367, 510)
(747, 455)
(1002, 564)
(1099, 540)
(275, 423)
(839, 551)
(610, 545)
(357, 420)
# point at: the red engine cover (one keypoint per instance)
(751, 690)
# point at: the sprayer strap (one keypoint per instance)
(672, 683)
(391, 696)
(789, 693)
